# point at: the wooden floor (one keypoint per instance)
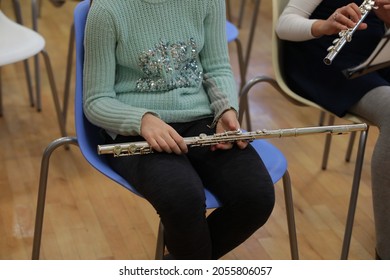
(90, 217)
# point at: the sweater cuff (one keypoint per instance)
(219, 115)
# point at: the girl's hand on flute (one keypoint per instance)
(161, 136)
(228, 122)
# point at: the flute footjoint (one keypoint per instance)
(142, 147)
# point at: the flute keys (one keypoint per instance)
(117, 150)
(132, 149)
(330, 49)
(145, 150)
(370, 5)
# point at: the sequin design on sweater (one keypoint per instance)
(169, 66)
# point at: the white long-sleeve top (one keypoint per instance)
(294, 23)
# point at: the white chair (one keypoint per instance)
(20, 44)
(280, 85)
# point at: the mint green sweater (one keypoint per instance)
(165, 57)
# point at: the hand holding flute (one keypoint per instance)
(162, 137)
(347, 20)
(343, 18)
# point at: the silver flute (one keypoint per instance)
(142, 147)
(345, 36)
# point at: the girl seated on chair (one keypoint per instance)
(158, 71)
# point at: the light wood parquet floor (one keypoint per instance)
(90, 217)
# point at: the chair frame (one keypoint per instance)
(243, 58)
(279, 84)
(160, 244)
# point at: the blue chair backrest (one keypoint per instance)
(231, 32)
(88, 135)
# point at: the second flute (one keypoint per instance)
(345, 36)
(142, 147)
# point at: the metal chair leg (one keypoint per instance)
(29, 83)
(244, 104)
(1, 96)
(18, 11)
(42, 191)
(354, 195)
(42, 198)
(251, 33)
(228, 10)
(350, 146)
(322, 118)
(57, 105)
(243, 58)
(37, 83)
(160, 246)
(39, 8)
(328, 140)
(243, 97)
(241, 62)
(290, 216)
(19, 19)
(34, 16)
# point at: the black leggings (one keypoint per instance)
(174, 185)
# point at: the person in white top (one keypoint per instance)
(307, 28)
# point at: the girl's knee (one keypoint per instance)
(183, 206)
(260, 199)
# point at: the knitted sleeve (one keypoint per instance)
(101, 106)
(218, 78)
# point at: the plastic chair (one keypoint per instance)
(88, 138)
(280, 85)
(21, 44)
(36, 8)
